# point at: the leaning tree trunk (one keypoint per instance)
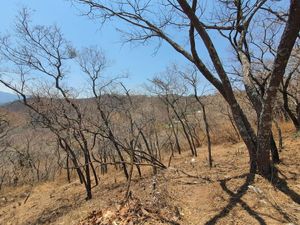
(175, 132)
(185, 131)
(295, 118)
(288, 39)
(204, 116)
(247, 134)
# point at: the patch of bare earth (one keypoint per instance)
(187, 193)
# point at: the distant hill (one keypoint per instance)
(7, 97)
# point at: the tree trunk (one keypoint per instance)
(264, 134)
(206, 128)
(263, 154)
(185, 131)
(274, 150)
(208, 136)
(280, 141)
(111, 137)
(175, 133)
(295, 120)
(298, 116)
(68, 170)
(247, 134)
(88, 183)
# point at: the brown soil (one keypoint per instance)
(186, 193)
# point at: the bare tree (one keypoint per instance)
(173, 94)
(92, 63)
(119, 120)
(32, 158)
(234, 20)
(290, 86)
(43, 51)
(192, 78)
(4, 128)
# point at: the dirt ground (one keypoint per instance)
(187, 193)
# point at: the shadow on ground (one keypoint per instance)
(236, 198)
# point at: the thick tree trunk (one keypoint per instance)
(289, 36)
(272, 143)
(263, 153)
(247, 134)
(264, 139)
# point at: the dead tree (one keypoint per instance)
(290, 86)
(4, 129)
(174, 128)
(92, 63)
(191, 77)
(172, 94)
(43, 51)
(117, 118)
(233, 22)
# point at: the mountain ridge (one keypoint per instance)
(6, 97)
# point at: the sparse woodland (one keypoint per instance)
(108, 137)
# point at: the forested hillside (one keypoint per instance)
(202, 130)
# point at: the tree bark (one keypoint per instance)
(274, 150)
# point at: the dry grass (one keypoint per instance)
(188, 194)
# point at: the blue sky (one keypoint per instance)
(139, 61)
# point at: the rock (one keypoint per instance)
(3, 199)
(255, 189)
